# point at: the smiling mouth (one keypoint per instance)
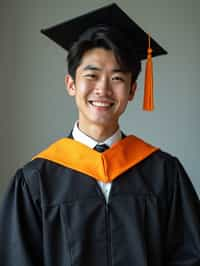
(101, 103)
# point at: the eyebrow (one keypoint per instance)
(91, 67)
(95, 68)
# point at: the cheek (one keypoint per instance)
(123, 99)
(122, 92)
(84, 87)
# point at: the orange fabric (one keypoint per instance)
(148, 103)
(104, 166)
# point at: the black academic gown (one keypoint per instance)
(53, 215)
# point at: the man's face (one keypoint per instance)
(101, 89)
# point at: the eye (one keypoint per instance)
(118, 78)
(91, 76)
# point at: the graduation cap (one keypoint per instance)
(66, 33)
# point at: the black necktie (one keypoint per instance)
(101, 148)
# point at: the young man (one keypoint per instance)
(80, 203)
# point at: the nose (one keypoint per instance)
(103, 87)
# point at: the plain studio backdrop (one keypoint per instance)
(35, 109)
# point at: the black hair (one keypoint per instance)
(110, 39)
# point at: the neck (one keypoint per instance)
(97, 132)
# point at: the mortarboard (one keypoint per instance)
(66, 33)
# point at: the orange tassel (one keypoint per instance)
(148, 103)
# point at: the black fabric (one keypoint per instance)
(54, 216)
(66, 33)
(101, 147)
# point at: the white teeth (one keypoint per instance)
(101, 104)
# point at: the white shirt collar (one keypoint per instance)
(83, 138)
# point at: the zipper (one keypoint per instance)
(108, 233)
(107, 222)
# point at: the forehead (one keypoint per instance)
(99, 57)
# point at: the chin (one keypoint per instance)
(106, 123)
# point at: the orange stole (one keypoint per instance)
(104, 166)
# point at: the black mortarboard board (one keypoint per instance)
(66, 33)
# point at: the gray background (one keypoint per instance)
(35, 109)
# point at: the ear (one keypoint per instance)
(70, 85)
(132, 91)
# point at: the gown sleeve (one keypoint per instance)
(183, 232)
(20, 226)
